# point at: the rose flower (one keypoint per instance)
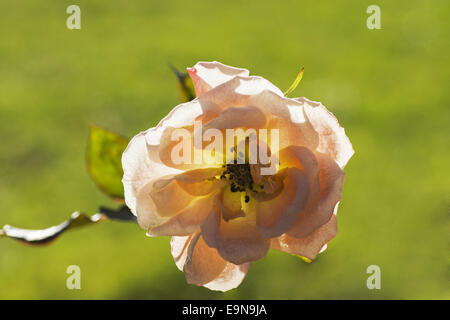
(223, 215)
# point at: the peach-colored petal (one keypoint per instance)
(202, 188)
(187, 220)
(181, 116)
(303, 159)
(141, 162)
(204, 266)
(172, 147)
(159, 139)
(140, 169)
(230, 204)
(288, 116)
(332, 138)
(179, 247)
(238, 91)
(146, 211)
(198, 175)
(331, 179)
(277, 215)
(173, 193)
(242, 117)
(140, 173)
(299, 157)
(230, 278)
(183, 201)
(169, 198)
(200, 182)
(208, 75)
(309, 246)
(236, 240)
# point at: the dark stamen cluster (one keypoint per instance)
(239, 175)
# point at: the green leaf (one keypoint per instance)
(36, 237)
(186, 90)
(104, 160)
(296, 82)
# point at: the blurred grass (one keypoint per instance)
(387, 87)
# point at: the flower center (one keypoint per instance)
(239, 175)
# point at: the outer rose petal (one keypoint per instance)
(208, 75)
(140, 170)
(238, 91)
(331, 178)
(332, 138)
(309, 246)
(140, 160)
(204, 266)
(146, 209)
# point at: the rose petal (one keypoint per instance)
(183, 115)
(309, 246)
(159, 139)
(202, 265)
(331, 178)
(332, 138)
(169, 198)
(187, 220)
(198, 175)
(277, 215)
(141, 161)
(230, 204)
(288, 117)
(200, 182)
(237, 240)
(172, 147)
(179, 247)
(183, 201)
(208, 75)
(232, 117)
(205, 266)
(303, 159)
(230, 278)
(139, 169)
(238, 91)
(299, 157)
(172, 194)
(146, 211)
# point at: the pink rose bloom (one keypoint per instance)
(224, 217)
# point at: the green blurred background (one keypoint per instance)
(387, 87)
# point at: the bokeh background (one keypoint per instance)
(388, 88)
